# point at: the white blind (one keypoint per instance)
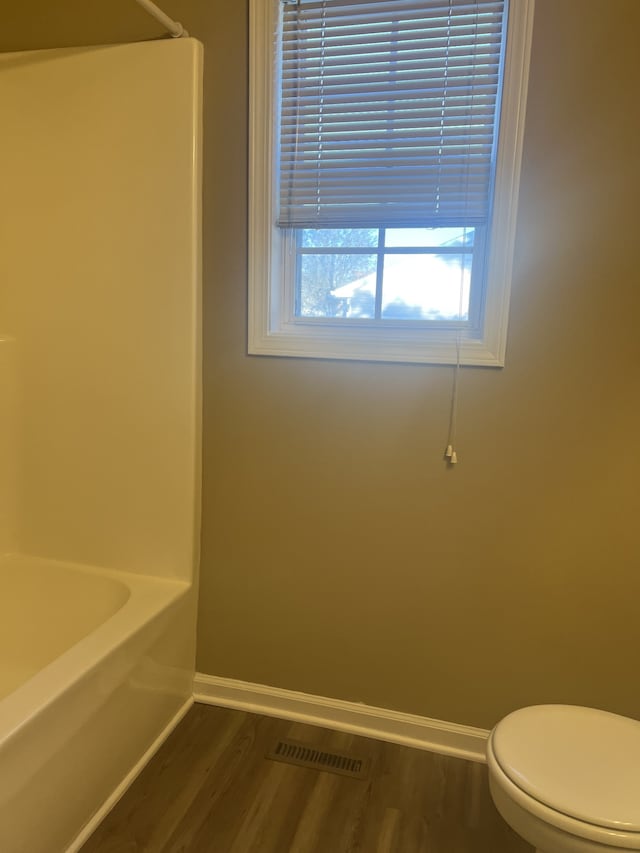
(388, 111)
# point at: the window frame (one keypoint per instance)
(272, 327)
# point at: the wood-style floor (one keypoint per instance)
(210, 789)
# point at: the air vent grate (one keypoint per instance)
(304, 755)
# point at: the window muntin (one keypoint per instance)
(386, 275)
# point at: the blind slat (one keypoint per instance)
(388, 111)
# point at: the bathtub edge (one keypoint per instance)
(90, 827)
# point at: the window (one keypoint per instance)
(385, 151)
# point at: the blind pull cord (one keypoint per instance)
(450, 453)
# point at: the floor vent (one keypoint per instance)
(293, 752)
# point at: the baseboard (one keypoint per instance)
(90, 827)
(380, 723)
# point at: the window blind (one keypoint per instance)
(388, 111)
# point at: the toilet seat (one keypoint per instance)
(577, 769)
(581, 762)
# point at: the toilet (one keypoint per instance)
(567, 778)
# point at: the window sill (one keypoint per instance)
(376, 345)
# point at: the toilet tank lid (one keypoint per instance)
(581, 762)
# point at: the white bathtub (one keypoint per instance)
(92, 675)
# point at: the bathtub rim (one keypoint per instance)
(149, 598)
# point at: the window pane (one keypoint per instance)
(337, 285)
(423, 237)
(426, 287)
(316, 238)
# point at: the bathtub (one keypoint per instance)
(94, 673)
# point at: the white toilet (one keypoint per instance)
(567, 779)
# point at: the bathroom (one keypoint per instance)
(340, 556)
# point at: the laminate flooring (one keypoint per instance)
(210, 789)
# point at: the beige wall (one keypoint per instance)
(340, 555)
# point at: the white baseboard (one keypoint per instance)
(90, 827)
(380, 723)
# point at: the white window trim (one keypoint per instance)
(270, 330)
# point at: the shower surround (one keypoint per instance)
(99, 424)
